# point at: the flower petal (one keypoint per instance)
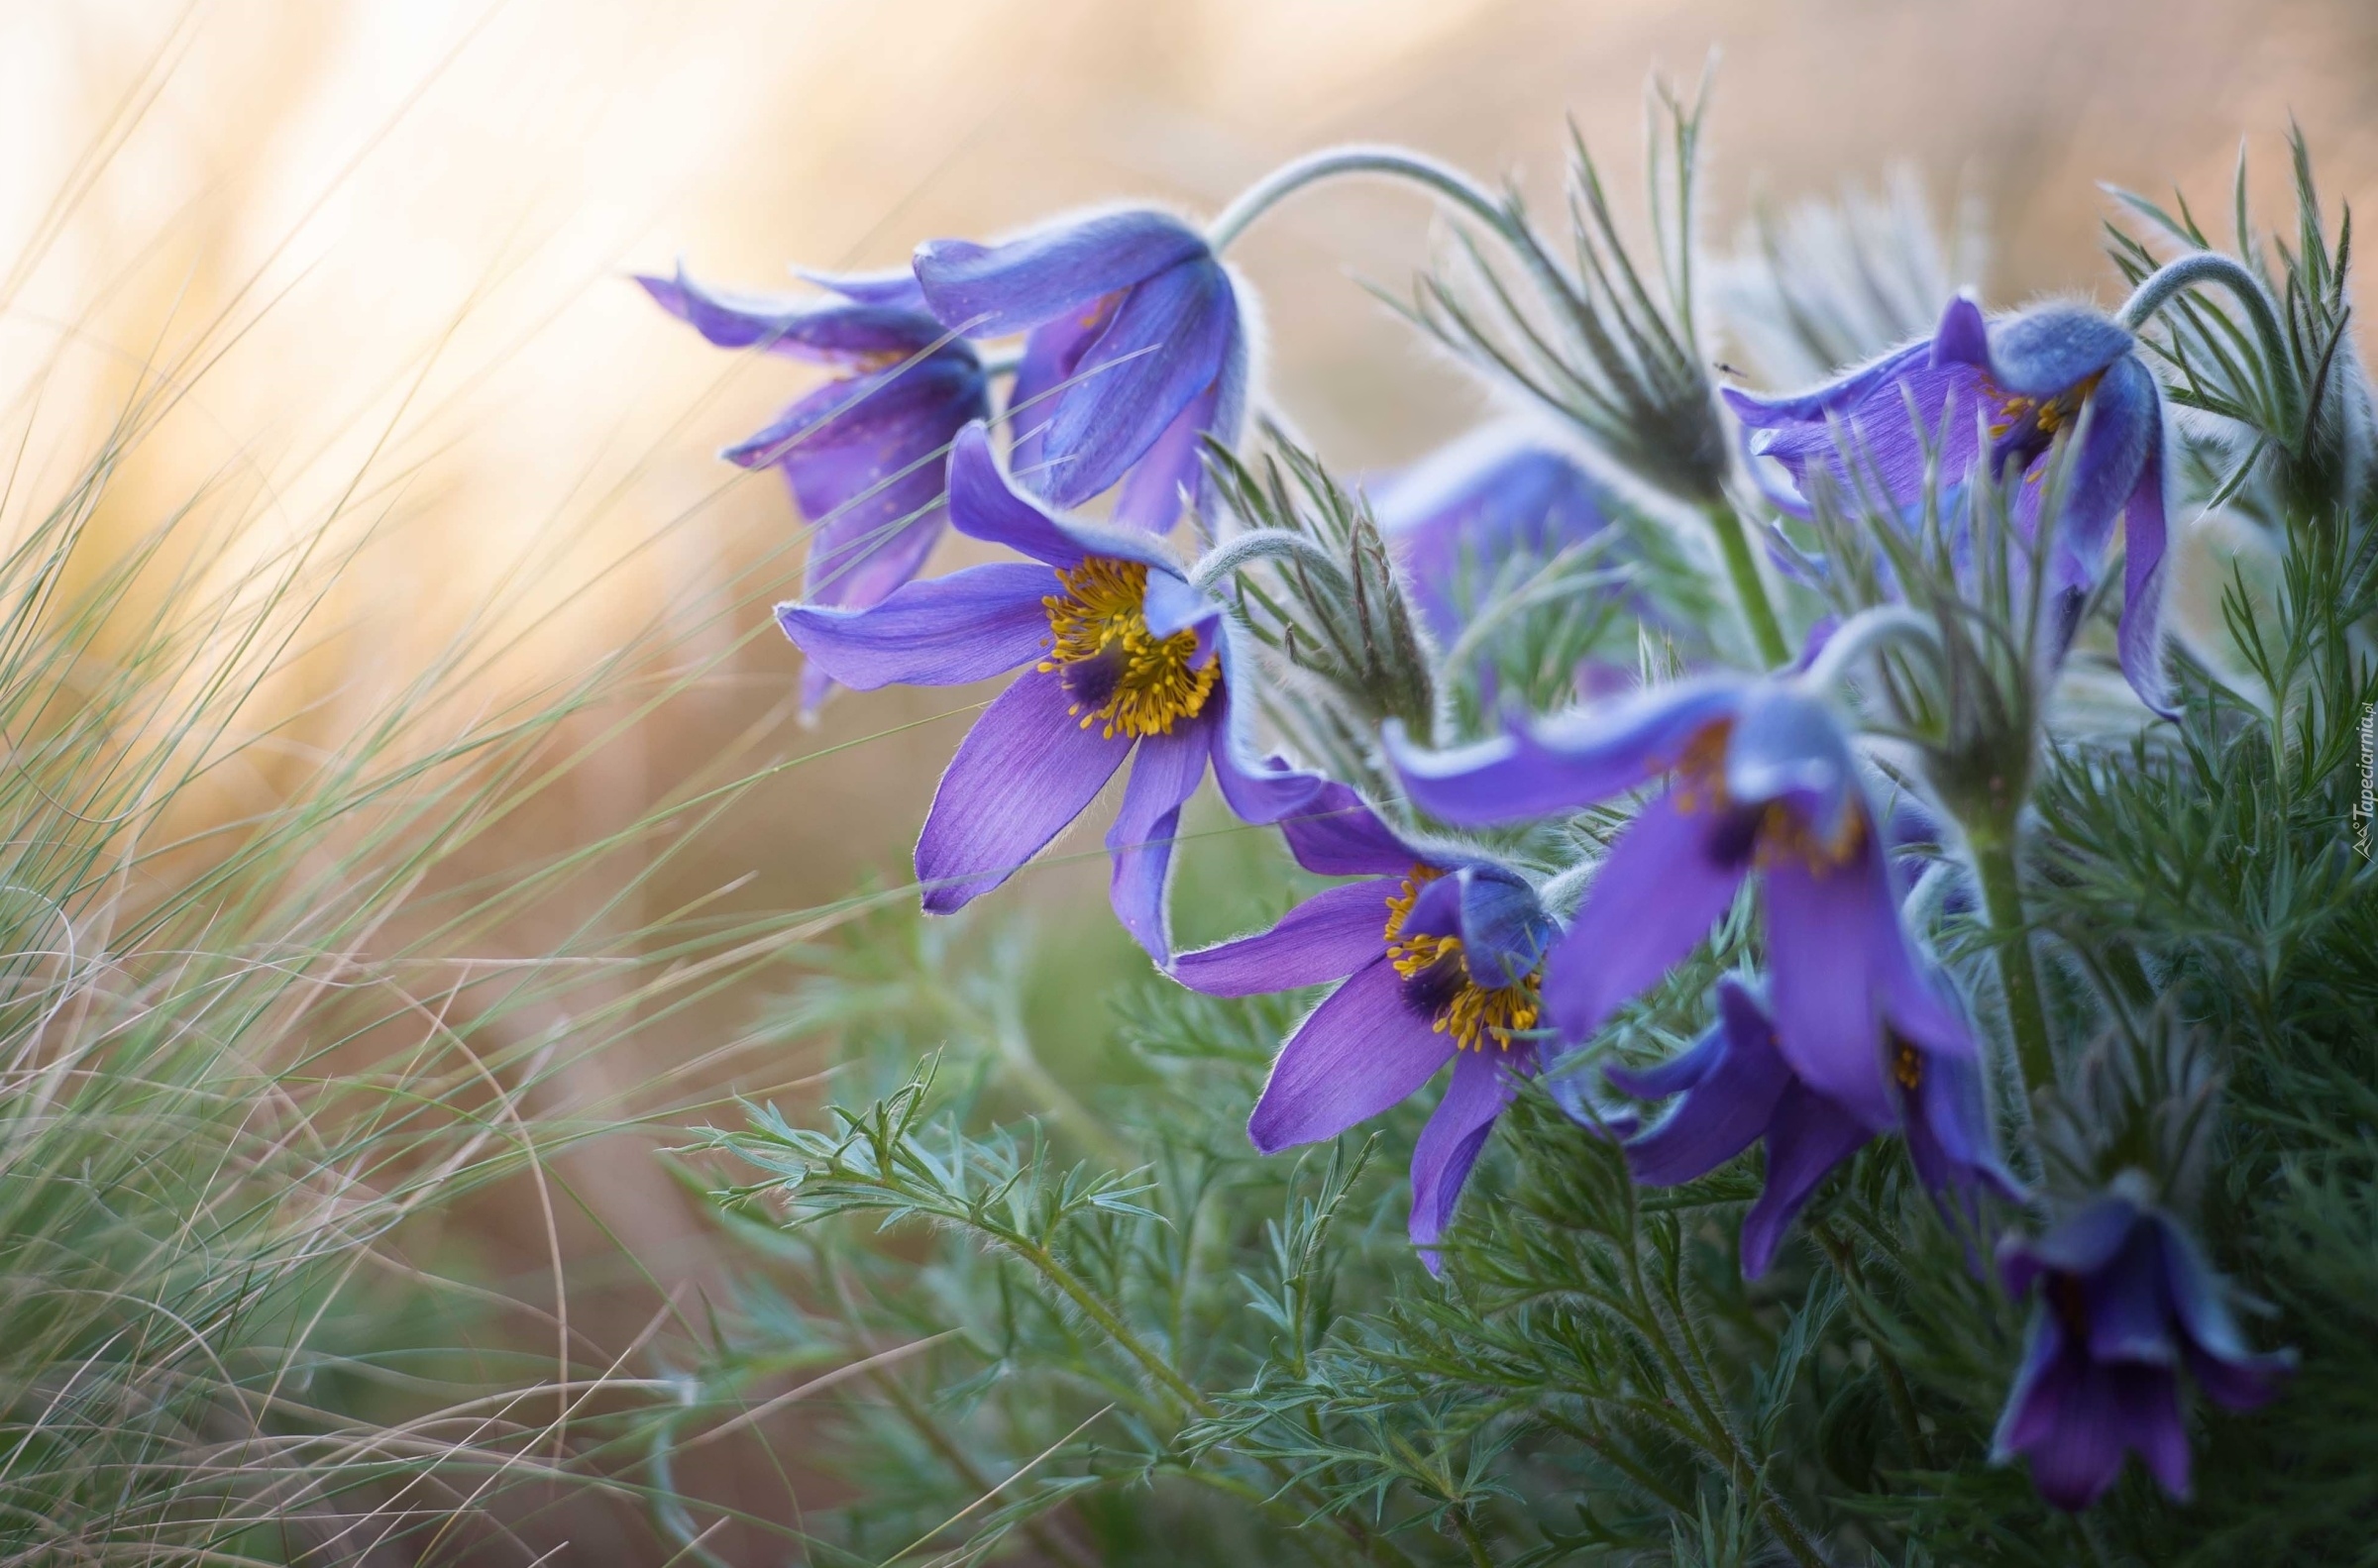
(2079, 1440)
(2140, 638)
(2052, 349)
(1328, 937)
(1164, 775)
(1787, 745)
(1808, 1138)
(1025, 771)
(1164, 347)
(1482, 1084)
(834, 331)
(1255, 793)
(1732, 1101)
(985, 505)
(944, 631)
(894, 286)
(1656, 895)
(1832, 934)
(1337, 835)
(1360, 1052)
(1505, 929)
(1174, 465)
(2147, 1407)
(996, 289)
(1564, 763)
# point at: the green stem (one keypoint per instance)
(1331, 162)
(2211, 266)
(2019, 976)
(1767, 633)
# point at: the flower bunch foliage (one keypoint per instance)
(1816, 772)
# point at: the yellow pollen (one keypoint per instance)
(1700, 786)
(1907, 1066)
(1476, 1014)
(1700, 782)
(1102, 615)
(2047, 415)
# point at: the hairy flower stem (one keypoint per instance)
(2211, 266)
(1767, 633)
(1331, 162)
(2019, 976)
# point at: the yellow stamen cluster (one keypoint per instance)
(1102, 617)
(1907, 1064)
(2047, 415)
(1475, 1013)
(1700, 786)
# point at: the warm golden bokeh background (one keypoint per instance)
(382, 247)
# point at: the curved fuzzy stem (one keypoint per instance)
(1864, 633)
(1259, 544)
(1331, 162)
(2211, 266)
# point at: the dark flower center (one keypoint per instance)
(1438, 984)
(1118, 672)
(2067, 1301)
(2023, 427)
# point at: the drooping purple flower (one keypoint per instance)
(1761, 779)
(1500, 490)
(1999, 391)
(1119, 654)
(1136, 351)
(2124, 1300)
(1439, 958)
(1735, 1087)
(865, 456)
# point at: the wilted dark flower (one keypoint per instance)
(866, 456)
(1999, 391)
(2125, 1299)
(1736, 1089)
(1136, 352)
(1440, 958)
(1761, 779)
(1500, 490)
(1123, 653)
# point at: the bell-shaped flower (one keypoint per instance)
(1439, 960)
(1136, 350)
(1761, 781)
(865, 456)
(1997, 392)
(2125, 1300)
(1119, 654)
(1735, 1087)
(1499, 491)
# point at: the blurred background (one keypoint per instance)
(383, 247)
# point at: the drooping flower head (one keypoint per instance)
(1734, 1087)
(1120, 656)
(1761, 780)
(1500, 490)
(2124, 1300)
(866, 456)
(1440, 961)
(1137, 349)
(1999, 393)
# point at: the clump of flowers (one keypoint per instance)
(1806, 853)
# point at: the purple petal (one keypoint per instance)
(864, 549)
(2125, 427)
(1360, 1052)
(1740, 1021)
(1337, 835)
(2081, 1244)
(1832, 935)
(2125, 1306)
(984, 504)
(2232, 1376)
(1947, 1127)
(1025, 771)
(944, 631)
(998, 289)
(829, 330)
(1963, 336)
(1501, 489)
(1759, 412)
(1327, 937)
(2050, 350)
(896, 286)
(1173, 467)
(1164, 775)
(1808, 1137)
(2140, 638)
(1449, 1144)
(2081, 1438)
(1260, 793)
(1049, 354)
(2041, 1385)
(1505, 929)
(1163, 348)
(1567, 762)
(895, 419)
(1655, 896)
(2147, 1406)
(1733, 1099)
(1787, 745)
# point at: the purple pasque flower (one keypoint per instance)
(1120, 656)
(1734, 1087)
(1761, 781)
(1136, 351)
(1440, 958)
(1502, 489)
(1999, 391)
(2124, 1300)
(865, 456)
